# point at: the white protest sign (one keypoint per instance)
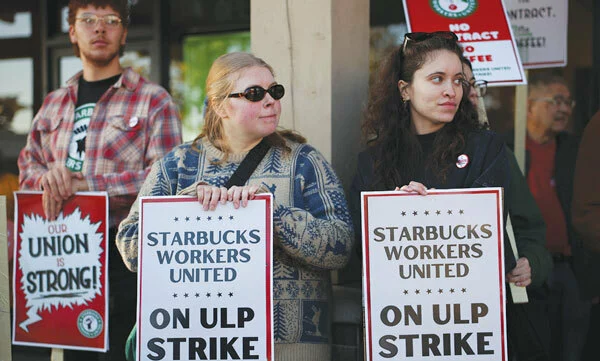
(540, 30)
(433, 275)
(204, 280)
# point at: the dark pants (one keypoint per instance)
(569, 313)
(122, 308)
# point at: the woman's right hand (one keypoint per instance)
(209, 196)
(414, 187)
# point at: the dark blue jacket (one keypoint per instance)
(488, 167)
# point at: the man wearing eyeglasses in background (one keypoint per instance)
(101, 132)
(549, 167)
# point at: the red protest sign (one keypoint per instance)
(60, 275)
(483, 30)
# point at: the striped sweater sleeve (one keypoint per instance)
(156, 184)
(317, 229)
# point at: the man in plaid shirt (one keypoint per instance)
(101, 132)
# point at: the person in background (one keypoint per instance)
(101, 132)
(549, 167)
(586, 189)
(529, 327)
(528, 223)
(311, 223)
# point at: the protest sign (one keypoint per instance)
(433, 275)
(540, 28)
(483, 31)
(204, 280)
(60, 277)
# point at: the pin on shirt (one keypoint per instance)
(133, 122)
(462, 161)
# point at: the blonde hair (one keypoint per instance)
(223, 74)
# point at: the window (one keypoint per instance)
(16, 94)
(189, 72)
(15, 25)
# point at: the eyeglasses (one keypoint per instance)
(420, 36)
(480, 86)
(257, 93)
(91, 20)
(557, 101)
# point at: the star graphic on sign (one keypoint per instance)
(452, 290)
(405, 292)
(428, 291)
(464, 290)
(208, 218)
(415, 213)
(220, 218)
(198, 218)
(187, 219)
(176, 219)
(426, 213)
(174, 295)
(219, 294)
(438, 212)
(186, 295)
(197, 295)
(231, 218)
(208, 294)
(403, 213)
(230, 294)
(461, 212)
(449, 211)
(440, 291)
(417, 292)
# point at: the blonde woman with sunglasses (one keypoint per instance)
(312, 226)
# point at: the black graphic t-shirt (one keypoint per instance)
(87, 96)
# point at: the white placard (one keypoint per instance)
(204, 280)
(540, 29)
(434, 275)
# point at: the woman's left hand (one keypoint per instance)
(521, 274)
(238, 194)
(413, 186)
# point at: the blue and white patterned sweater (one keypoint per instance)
(313, 232)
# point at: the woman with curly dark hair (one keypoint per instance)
(416, 123)
(423, 132)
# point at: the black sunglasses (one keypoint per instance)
(421, 36)
(256, 93)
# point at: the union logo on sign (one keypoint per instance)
(454, 8)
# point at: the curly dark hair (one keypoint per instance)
(387, 125)
(120, 6)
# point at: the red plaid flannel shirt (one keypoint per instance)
(133, 124)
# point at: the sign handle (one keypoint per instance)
(521, 122)
(57, 354)
(5, 344)
(519, 294)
